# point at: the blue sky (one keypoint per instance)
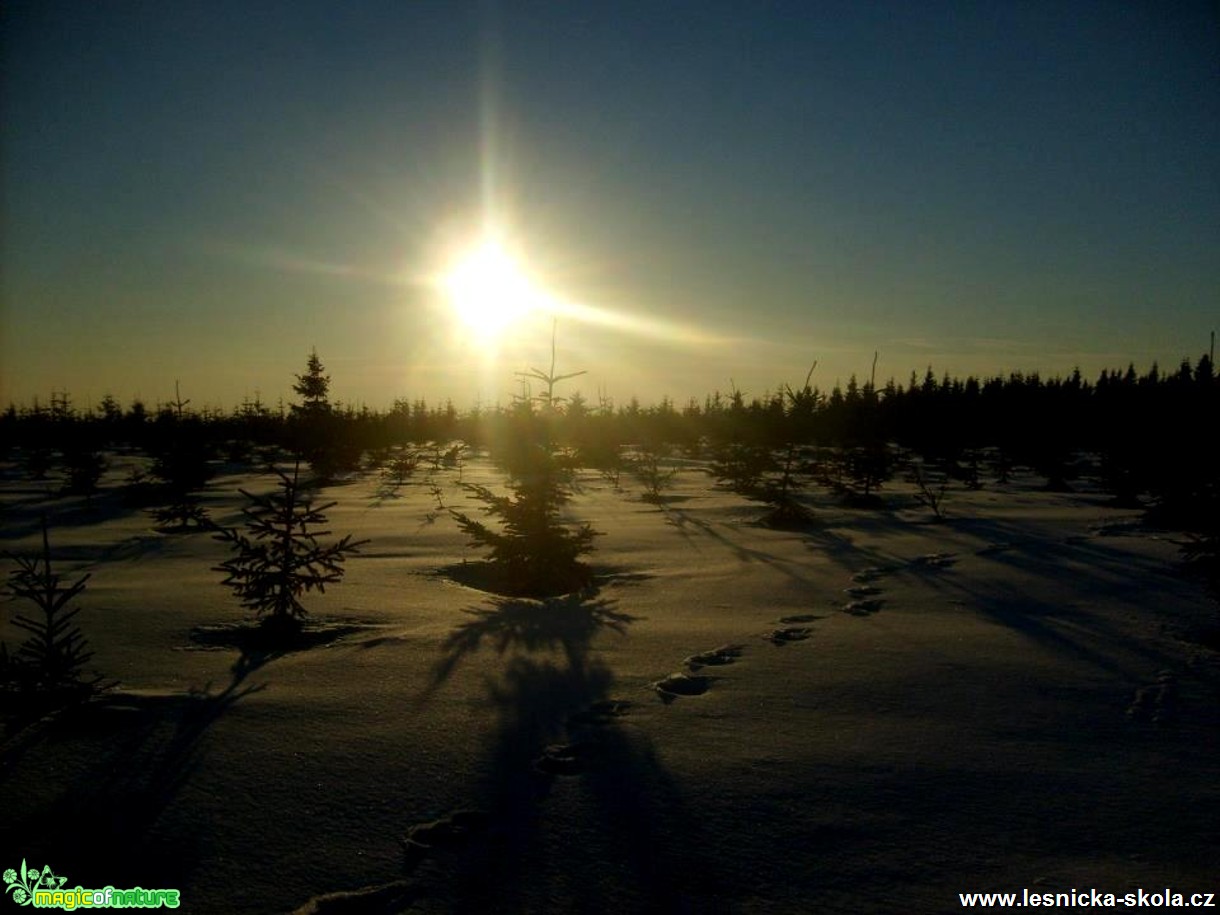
(202, 192)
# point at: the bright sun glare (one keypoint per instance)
(489, 291)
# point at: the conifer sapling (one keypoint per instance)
(535, 552)
(651, 470)
(53, 658)
(279, 557)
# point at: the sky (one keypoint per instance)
(700, 195)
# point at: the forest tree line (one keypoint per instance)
(1149, 435)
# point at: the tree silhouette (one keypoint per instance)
(649, 467)
(279, 557)
(52, 660)
(313, 387)
(534, 553)
(549, 378)
(318, 432)
(182, 448)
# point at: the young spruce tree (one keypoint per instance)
(318, 431)
(533, 552)
(279, 557)
(51, 661)
(181, 463)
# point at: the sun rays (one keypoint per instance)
(489, 290)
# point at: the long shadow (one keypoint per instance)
(626, 828)
(1061, 628)
(1092, 568)
(616, 828)
(681, 519)
(1062, 631)
(568, 623)
(533, 700)
(1089, 562)
(101, 828)
(391, 491)
(68, 510)
(819, 536)
(842, 549)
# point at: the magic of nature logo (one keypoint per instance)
(43, 889)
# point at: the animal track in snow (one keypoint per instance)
(725, 654)
(581, 750)
(566, 758)
(452, 831)
(681, 684)
(935, 560)
(786, 634)
(800, 618)
(420, 842)
(1157, 702)
(863, 590)
(992, 548)
(865, 607)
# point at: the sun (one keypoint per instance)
(489, 290)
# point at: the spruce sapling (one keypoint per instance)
(319, 431)
(786, 510)
(550, 378)
(53, 658)
(85, 465)
(779, 479)
(279, 557)
(535, 554)
(649, 469)
(182, 465)
(399, 467)
(742, 467)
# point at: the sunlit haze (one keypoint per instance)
(693, 196)
(490, 291)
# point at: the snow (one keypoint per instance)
(1026, 702)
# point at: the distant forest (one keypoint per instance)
(1149, 439)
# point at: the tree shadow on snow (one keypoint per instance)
(584, 814)
(114, 767)
(1073, 619)
(576, 811)
(685, 522)
(566, 624)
